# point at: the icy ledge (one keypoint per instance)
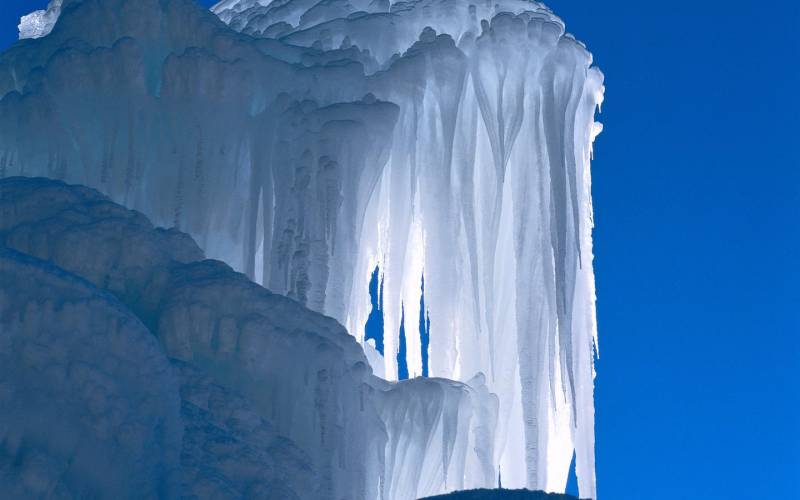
(185, 379)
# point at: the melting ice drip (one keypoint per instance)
(444, 136)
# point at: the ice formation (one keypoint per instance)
(39, 23)
(275, 401)
(305, 142)
(87, 404)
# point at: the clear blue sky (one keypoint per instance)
(696, 191)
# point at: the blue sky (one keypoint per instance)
(696, 189)
(696, 194)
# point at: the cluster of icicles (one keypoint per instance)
(309, 141)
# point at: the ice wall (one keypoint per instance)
(276, 401)
(87, 404)
(306, 142)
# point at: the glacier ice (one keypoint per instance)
(307, 142)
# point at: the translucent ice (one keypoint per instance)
(307, 142)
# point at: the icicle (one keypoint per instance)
(457, 141)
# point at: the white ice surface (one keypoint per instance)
(438, 136)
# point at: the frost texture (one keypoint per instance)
(305, 142)
(276, 401)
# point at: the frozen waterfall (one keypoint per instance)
(306, 142)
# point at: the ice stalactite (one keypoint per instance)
(306, 143)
